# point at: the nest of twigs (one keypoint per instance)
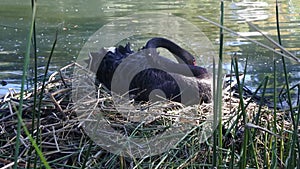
(61, 124)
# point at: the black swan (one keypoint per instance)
(145, 72)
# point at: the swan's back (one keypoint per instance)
(142, 72)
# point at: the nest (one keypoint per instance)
(65, 121)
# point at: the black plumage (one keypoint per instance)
(144, 71)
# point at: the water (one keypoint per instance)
(78, 20)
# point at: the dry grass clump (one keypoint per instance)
(70, 110)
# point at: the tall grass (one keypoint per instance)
(277, 152)
(31, 39)
(260, 146)
(24, 77)
(34, 112)
(291, 161)
(217, 104)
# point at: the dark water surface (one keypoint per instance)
(78, 20)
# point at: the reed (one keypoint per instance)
(217, 103)
(34, 112)
(25, 70)
(20, 111)
(291, 160)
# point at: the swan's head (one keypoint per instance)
(201, 73)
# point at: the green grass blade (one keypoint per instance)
(20, 111)
(24, 77)
(294, 141)
(33, 142)
(274, 139)
(244, 158)
(219, 84)
(34, 44)
(87, 155)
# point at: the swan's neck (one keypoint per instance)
(183, 56)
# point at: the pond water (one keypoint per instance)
(78, 20)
